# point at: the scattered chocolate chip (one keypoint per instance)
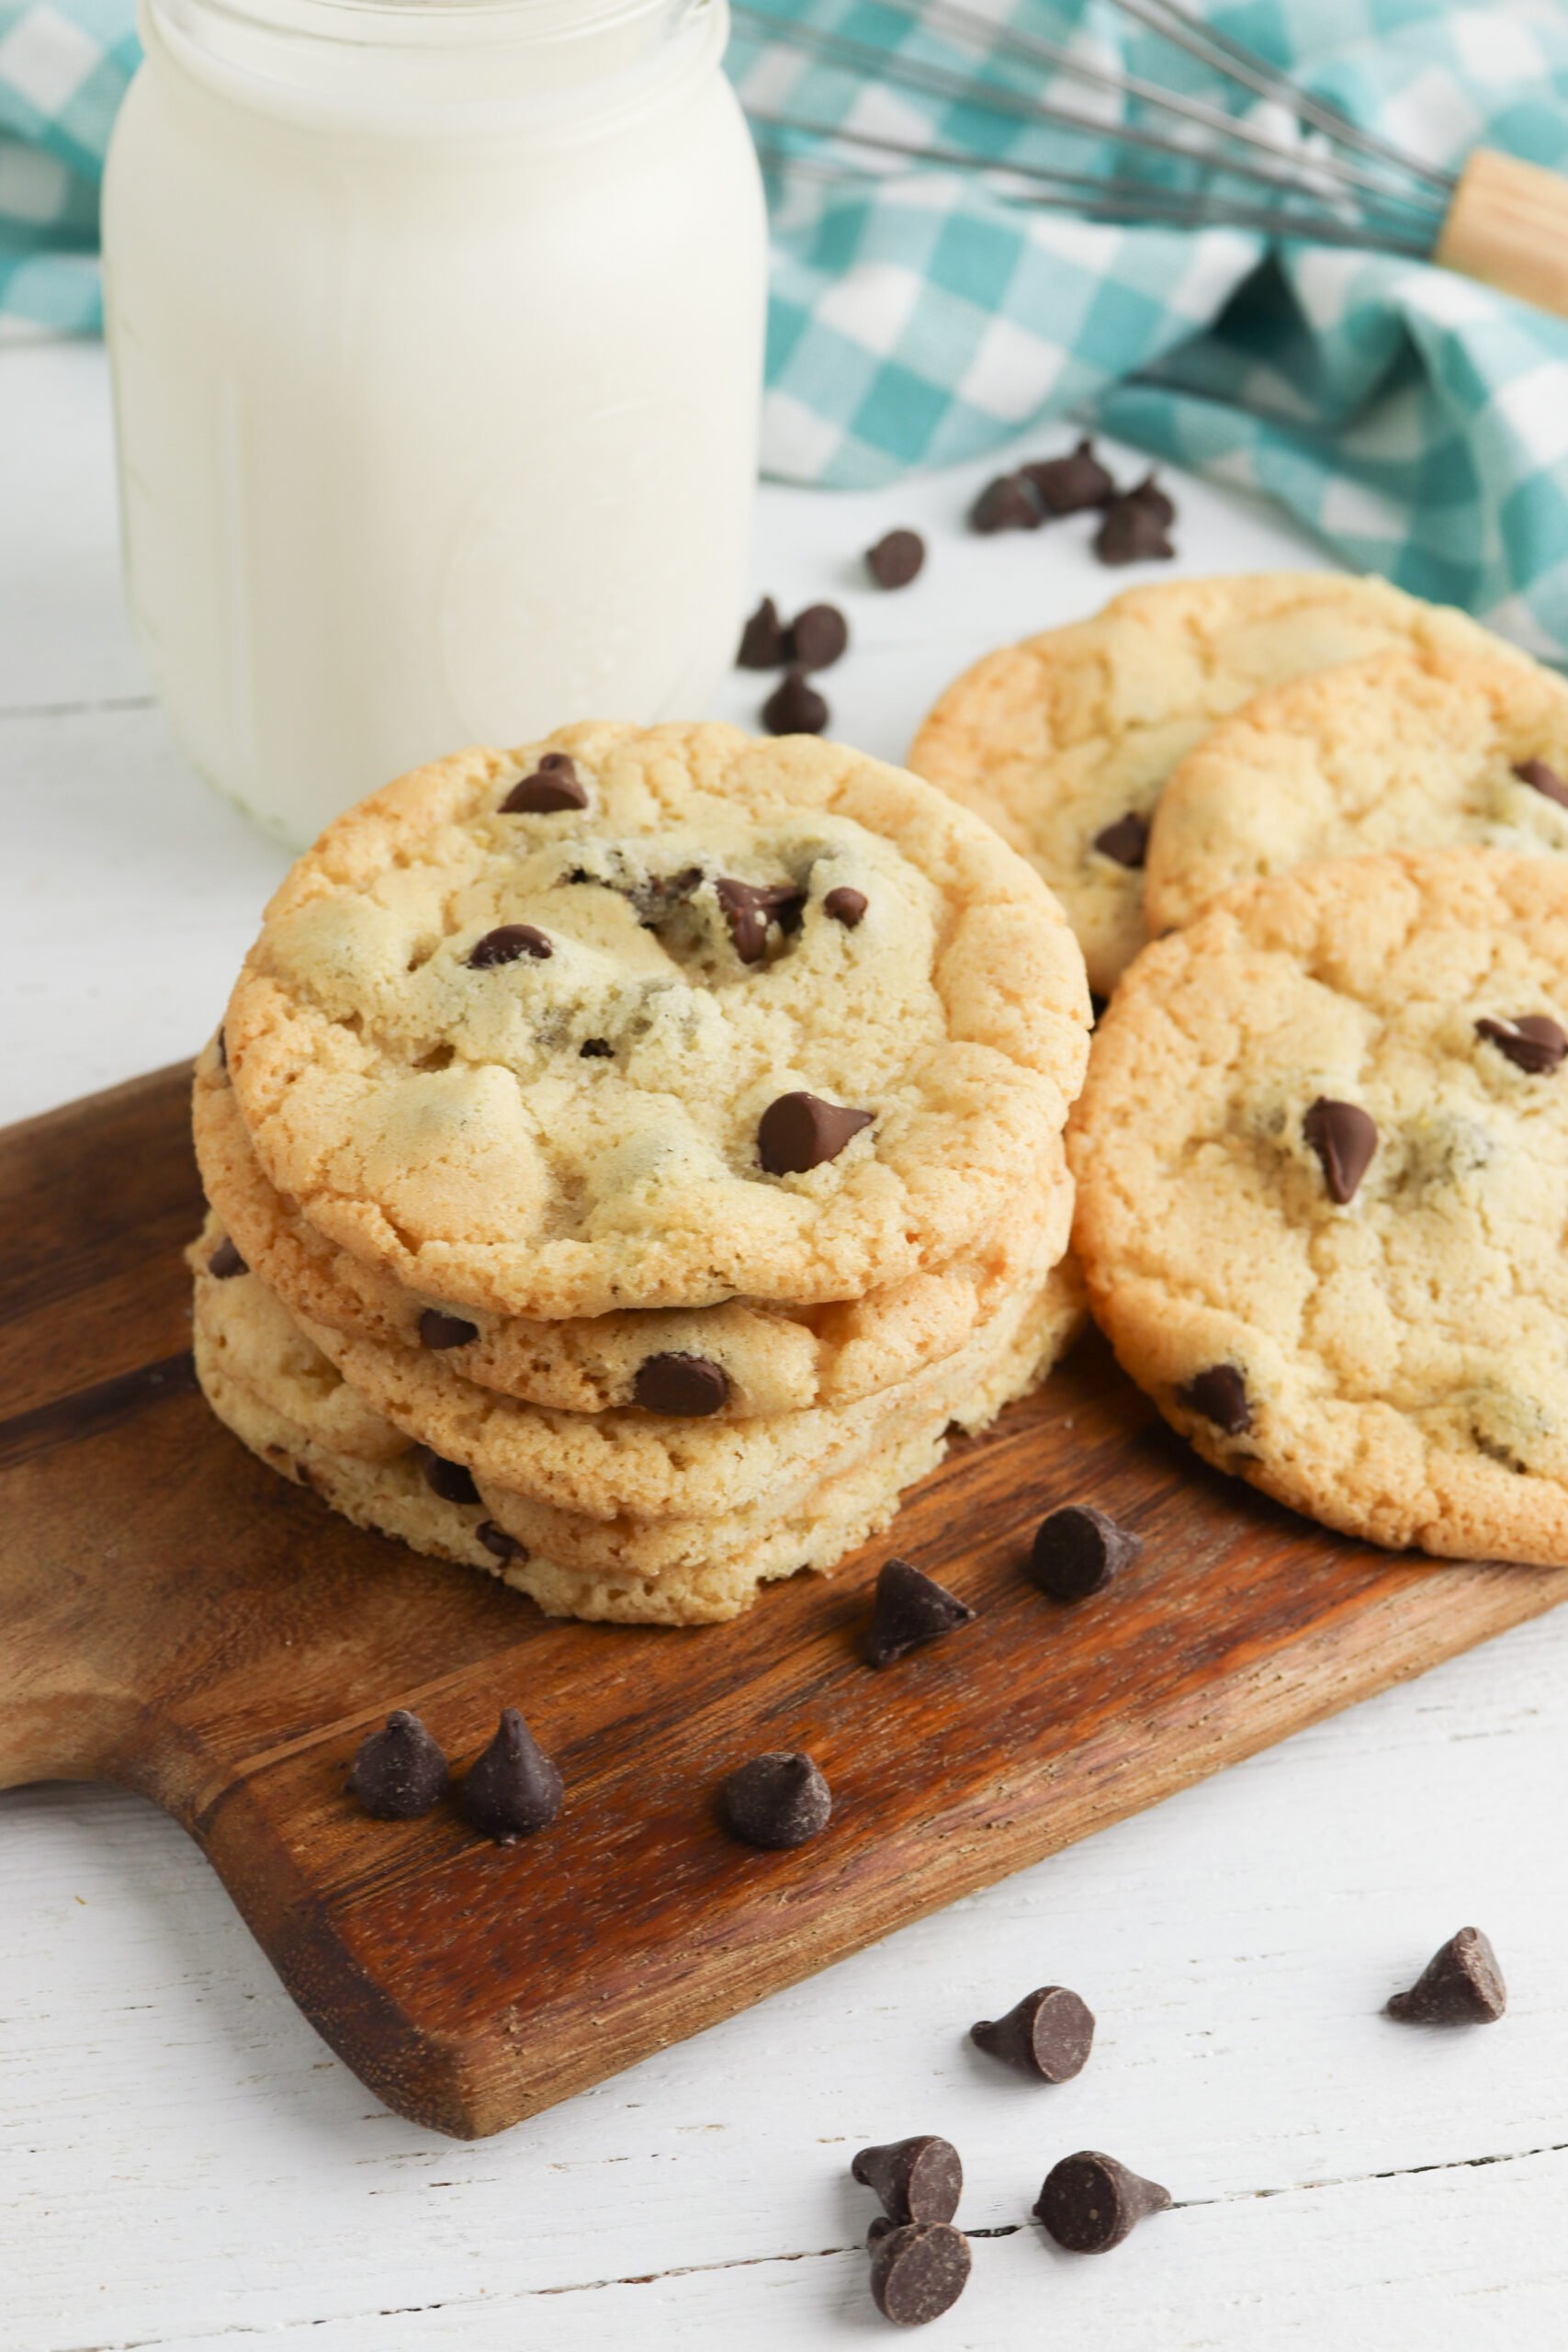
(1126, 838)
(1344, 1139)
(818, 637)
(1078, 1551)
(226, 1262)
(1068, 485)
(1009, 504)
(1531, 1042)
(597, 1049)
(506, 944)
(910, 1607)
(1461, 1984)
(846, 906)
(794, 706)
(437, 1329)
(496, 1539)
(1091, 2203)
(918, 2180)
(554, 784)
(801, 1131)
(776, 1800)
(919, 2271)
(1154, 499)
(1135, 527)
(399, 1772)
(750, 906)
(513, 1789)
(222, 1045)
(896, 560)
(764, 642)
(1049, 2033)
(1542, 778)
(685, 1385)
(1220, 1395)
(451, 1480)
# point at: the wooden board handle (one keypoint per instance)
(1509, 226)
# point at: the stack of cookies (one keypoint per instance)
(1322, 1154)
(627, 1158)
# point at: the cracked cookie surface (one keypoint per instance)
(1064, 742)
(1374, 1336)
(1405, 751)
(769, 1357)
(515, 1047)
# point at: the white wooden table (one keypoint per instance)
(184, 2165)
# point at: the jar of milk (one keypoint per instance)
(437, 333)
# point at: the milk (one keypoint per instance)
(437, 337)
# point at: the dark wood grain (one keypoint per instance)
(179, 1620)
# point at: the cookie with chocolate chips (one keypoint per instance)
(420, 1094)
(758, 1356)
(282, 1398)
(1407, 751)
(1059, 740)
(1323, 1178)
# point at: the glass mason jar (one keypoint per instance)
(437, 333)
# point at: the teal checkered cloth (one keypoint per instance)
(920, 314)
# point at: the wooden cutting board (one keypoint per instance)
(181, 1621)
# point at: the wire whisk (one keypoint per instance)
(1294, 166)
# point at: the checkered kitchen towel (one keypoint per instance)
(919, 315)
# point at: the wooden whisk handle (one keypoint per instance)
(1509, 226)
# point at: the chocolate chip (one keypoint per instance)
(801, 1131)
(451, 1480)
(554, 784)
(896, 560)
(685, 1385)
(818, 637)
(226, 1262)
(399, 1772)
(437, 1329)
(1049, 2034)
(1461, 1984)
(597, 1049)
(750, 906)
(513, 1789)
(222, 1045)
(776, 1800)
(1220, 1395)
(1134, 529)
(910, 1607)
(506, 944)
(1344, 1139)
(919, 2271)
(794, 706)
(1078, 1551)
(1009, 504)
(878, 2228)
(918, 2180)
(1154, 500)
(1068, 485)
(846, 906)
(1091, 2203)
(764, 642)
(1531, 1041)
(1126, 838)
(496, 1539)
(1542, 778)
